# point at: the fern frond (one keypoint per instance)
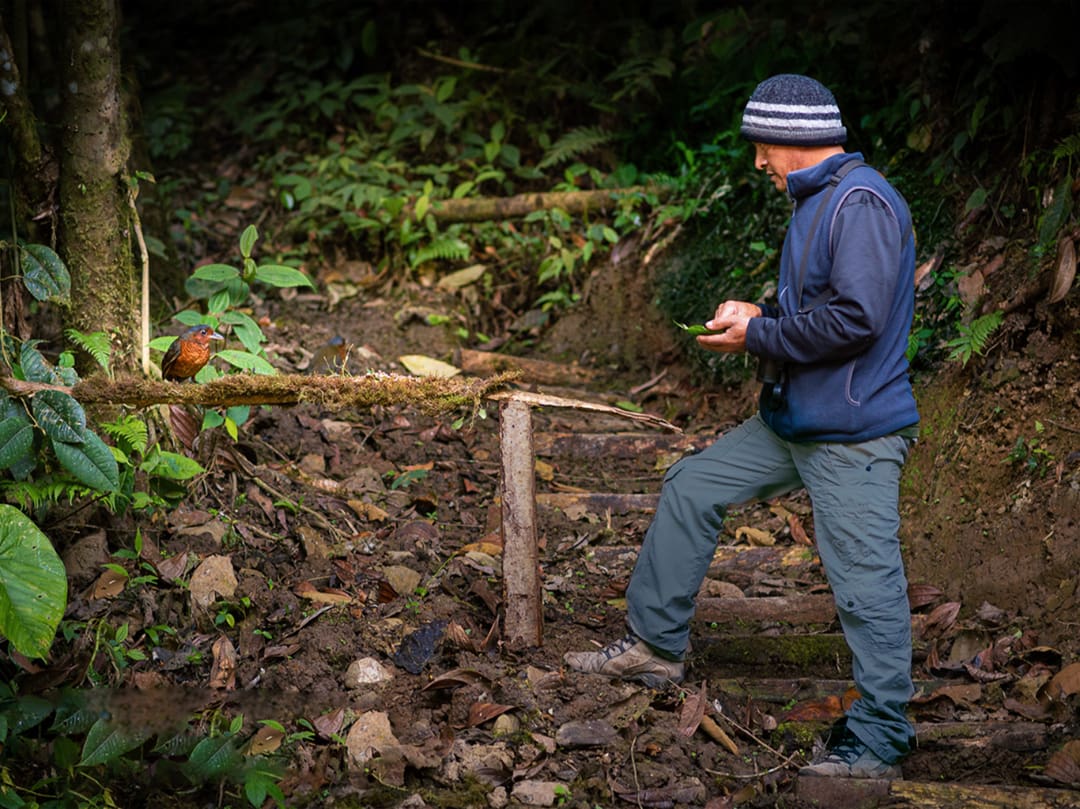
(30, 495)
(974, 336)
(96, 345)
(573, 143)
(443, 248)
(130, 432)
(1067, 148)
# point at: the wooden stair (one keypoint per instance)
(759, 637)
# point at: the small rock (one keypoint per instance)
(539, 793)
(404, 580)
(591, 733)
(505, 725)
(366, 671)
(313, 463)
(714, 588)
(369, 735)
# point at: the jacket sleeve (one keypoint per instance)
(862, 281)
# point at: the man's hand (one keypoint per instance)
(730, 320)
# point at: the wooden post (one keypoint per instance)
(523, 595)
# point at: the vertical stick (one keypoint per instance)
(524, 625)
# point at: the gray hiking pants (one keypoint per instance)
(854, 489)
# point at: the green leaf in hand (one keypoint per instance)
(696, 329)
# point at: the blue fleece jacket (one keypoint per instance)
(843, 347)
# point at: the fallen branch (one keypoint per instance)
(486, 209)
(429, 394)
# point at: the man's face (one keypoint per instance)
(777, 161)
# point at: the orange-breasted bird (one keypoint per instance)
(330, 359)
(188, 353)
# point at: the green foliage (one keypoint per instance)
(90, 739)
(1030, 455)
(974, 336)
(44, 275)
(96, 345)
(729, 248)
(33, 585)
(574, 143)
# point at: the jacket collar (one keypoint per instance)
(806, 182)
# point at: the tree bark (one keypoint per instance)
(95, 217)
(483, 209)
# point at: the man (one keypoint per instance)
(836, 415)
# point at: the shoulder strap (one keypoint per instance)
(834, 181)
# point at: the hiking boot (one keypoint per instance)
(847, 757)
(628, 659)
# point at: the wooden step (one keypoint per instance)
(801, 653)
(854, 793)
(621, 445)
(598, 502)
(794, 609)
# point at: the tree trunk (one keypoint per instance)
(95, 220)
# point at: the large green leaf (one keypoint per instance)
(33, 364)
(60, 416)
(212, 758)
(246, 361)
(28, 712)
(112, 737)
(216, 273)
(33, 584)
(171, 465)
(16, 440)
(277, 275)
(91, 463)
(44, 274)
(244, 328)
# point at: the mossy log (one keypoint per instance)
(487, 209)
(428, 394)
(853, 793)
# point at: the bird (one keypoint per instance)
(331, 357)
(188, 353)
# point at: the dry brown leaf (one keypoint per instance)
(709, 726)
(455, 678)
(173, 568)
(544, 470)
(109, 584)
(693, 709)
(756, 537)
(184, 426)
(798, 533)
(828, 708)
(266, 740)
(306, 589)
(329, 725)
(1065, 683)
(1064, 765)
(456, 635)
(223, 669)
(212, 578)
(481, 712)
(920, 595)
(368, 511)
(483, 546)
(941, 618)
(1065, 273)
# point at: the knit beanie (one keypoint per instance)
(792, 110)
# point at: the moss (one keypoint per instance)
(798, 652)
(796, 734)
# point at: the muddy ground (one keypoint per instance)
(346, 573)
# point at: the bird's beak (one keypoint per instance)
(216, 336)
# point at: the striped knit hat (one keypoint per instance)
(793, 110)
